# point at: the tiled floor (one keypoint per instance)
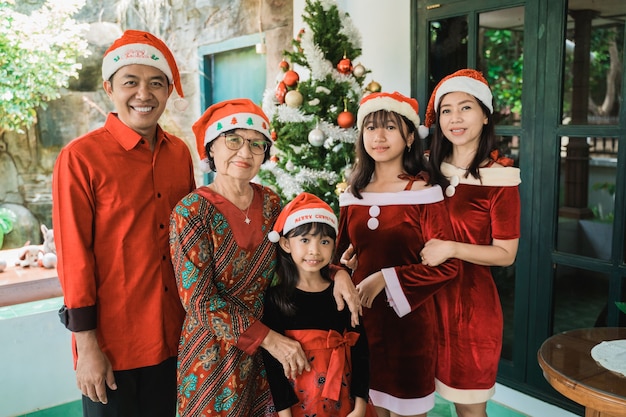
(442, 409)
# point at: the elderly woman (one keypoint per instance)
(224, 262)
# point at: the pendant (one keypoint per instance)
(247, 220)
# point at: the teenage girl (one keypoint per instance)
(389, 211)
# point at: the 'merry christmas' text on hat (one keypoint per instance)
(467, 81)
(143, 48)
(240, 113)
(394, 102)
(304, 208)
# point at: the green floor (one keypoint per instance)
(442, 409)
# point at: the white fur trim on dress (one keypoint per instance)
(135, 53)
(464, 396)
(467, 85)
(403, 406)
(429, 195)
(489, 177)
(388, 104)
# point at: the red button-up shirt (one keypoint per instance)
(112, 198)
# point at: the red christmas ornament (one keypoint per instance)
(281, 90)
(273, 135)
(344, 66)
(274, 158)
(291, 78)
(345, 119)
(283, 65)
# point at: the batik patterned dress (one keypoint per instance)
(223, 267)
(388, 231)
(470, 314)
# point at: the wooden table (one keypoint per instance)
(566, 361)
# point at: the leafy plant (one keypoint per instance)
(7, 219)
(621, 305)
(39, 53)
(597, 210)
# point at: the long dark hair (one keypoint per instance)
(287, 272)
(413, 161)
(441, 148)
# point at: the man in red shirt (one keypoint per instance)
(113, 192)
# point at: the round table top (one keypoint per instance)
(568, 366)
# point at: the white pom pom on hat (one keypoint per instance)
(466, 80)
(304, 208)
(239, 113)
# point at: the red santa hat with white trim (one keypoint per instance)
(304, 208)
(468, 81)
(395, 102)
(239, 113)
(143, 48)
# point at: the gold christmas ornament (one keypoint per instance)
(373, 87)
(341, 187)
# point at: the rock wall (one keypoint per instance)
(27, 160)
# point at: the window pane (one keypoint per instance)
(587, 196)
(500, 58)
(594, 52)
(580, 298)
(509, 147)
(447, 48)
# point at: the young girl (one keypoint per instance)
(387, 214)
(301, 306)
(484, 208)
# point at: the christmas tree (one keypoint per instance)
(312, 120)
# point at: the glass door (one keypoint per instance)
(491, 40)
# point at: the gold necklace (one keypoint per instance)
(245, 213)
(247, 219)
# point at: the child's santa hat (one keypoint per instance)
(467, 81)
(304, 208)
(137, 47)
(394, 102)
(239, 113)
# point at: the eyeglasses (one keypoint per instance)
(234, 142)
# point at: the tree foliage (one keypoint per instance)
(300, 163)
(39, 53)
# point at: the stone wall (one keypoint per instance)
(27, 160)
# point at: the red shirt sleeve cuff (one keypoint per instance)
(251, 339)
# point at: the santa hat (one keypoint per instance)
(304, 208)
(467, 81)
(394, 102)
(137, 47)
(239, 113)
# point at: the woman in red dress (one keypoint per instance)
(484, 206)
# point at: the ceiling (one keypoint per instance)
(609, 12)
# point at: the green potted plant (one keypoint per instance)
(7, 219)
